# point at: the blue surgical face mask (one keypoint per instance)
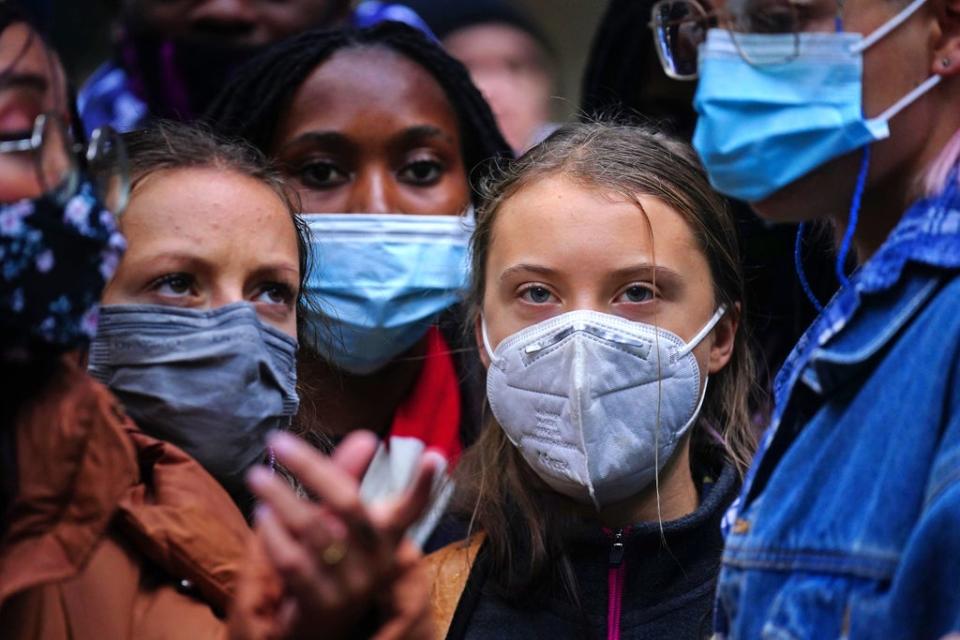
(379, 281)
(212, 382)
(762, 127)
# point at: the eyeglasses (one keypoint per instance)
(58, 158)
(680, 27)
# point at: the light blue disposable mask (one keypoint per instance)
(762, 127)
(380, 281)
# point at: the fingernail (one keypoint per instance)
(283, 443)
(257, 477)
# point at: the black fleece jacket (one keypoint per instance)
(668, 583)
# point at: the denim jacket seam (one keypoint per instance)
(942, 487)
(874, 566)
(948, 483)
(731, 546)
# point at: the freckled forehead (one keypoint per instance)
(368, 85)
(209, 205)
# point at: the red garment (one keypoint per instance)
(431, 413)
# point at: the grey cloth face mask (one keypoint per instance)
(595, 403)
(212, 382)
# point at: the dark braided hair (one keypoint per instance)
(616, 78)
(252, 104)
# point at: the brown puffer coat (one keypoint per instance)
(113, 534)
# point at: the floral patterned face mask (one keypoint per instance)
(55, 260)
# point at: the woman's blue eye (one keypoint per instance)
(538, 295)
(638, 293)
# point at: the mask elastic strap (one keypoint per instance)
(885, 29)
(705, 331)
(801, 273)
(703, 396)
(909, 99)
(486, 338)
(852, 218)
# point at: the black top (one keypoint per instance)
(668, 588)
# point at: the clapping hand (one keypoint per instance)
(337, 564)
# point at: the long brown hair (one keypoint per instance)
(523, 521)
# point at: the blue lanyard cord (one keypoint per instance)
(801, 274)
(845, 244)
(853, 218)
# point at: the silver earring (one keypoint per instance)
(945, 63)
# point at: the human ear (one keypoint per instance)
(724, 339)
(478, 337)
(946, 52)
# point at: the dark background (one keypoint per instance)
(81, 31)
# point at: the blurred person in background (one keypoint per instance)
(509, 58)
(173, 57)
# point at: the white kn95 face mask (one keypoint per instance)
(595, 403)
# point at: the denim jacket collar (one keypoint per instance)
(929, 235)
(845, 335)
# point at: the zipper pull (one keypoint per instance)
(616, 550)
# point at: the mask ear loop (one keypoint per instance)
(896, 21)
(486, 339)
(705, 331)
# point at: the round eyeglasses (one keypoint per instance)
(680, 27)
(58, 159)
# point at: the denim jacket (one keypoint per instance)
(849, 521)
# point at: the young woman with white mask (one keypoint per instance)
(845, 112)
(381, 133)
(607, 298)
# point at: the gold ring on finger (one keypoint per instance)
(334, 553)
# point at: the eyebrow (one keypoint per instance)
(335, 139)
(278, 270)
(199, 262)
(33, 81)
(527, 268)
(317, 138)
(659, 272)
(412, 135)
